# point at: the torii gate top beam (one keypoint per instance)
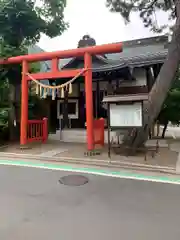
(45, 56)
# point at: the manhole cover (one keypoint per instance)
(73, 180)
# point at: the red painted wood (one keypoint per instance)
(99, 131)
(89, 101)
(37, 130)
(54, 65)
(35, 134)
(24, 104)
(45, 129)
(60, 74)
(45, 56)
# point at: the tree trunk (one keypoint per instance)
(14, 112)
(12, 115)
(14, 78)
(164, 130)
(157, 95)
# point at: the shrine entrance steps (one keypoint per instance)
(76, 135)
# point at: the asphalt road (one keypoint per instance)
(35, 206)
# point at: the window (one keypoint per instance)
(72, 109)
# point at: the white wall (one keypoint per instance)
(140, 75)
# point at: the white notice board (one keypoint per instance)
(126, 115)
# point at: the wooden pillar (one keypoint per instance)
(24, 104)
(54, 65)
(89, 101)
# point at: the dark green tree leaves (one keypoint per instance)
(21, 25)
(147, 10)
(23, 21)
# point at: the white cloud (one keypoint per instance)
(92, 17)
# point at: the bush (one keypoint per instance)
(4, 130)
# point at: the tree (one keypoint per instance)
(21, 25)
(170, 111)
(146, 9)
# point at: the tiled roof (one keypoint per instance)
(136, 53)
(131, 62)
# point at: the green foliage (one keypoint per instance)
(34, 67)
(4, 117)
(23, 21)
(171, 109)
(147, 10)
(21, 25)
(4, 108)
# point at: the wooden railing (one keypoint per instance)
(99, 131)
(37, 130)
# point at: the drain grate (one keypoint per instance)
(74, 180)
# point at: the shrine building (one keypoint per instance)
(132, 71)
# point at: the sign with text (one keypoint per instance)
(126, 115)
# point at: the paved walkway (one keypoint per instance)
(34, 205)
(167, 157)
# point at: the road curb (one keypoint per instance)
(115, 173)
(92, 162)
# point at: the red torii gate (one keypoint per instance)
(87, 53)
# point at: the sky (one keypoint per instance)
(93, 18)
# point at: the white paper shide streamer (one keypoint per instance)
(43, 90)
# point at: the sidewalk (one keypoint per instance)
(165, 160)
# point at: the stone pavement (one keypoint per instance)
(36, 148)
(167, 157)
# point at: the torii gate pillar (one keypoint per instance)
(24, 104)
(87, 53)
(89, 101)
